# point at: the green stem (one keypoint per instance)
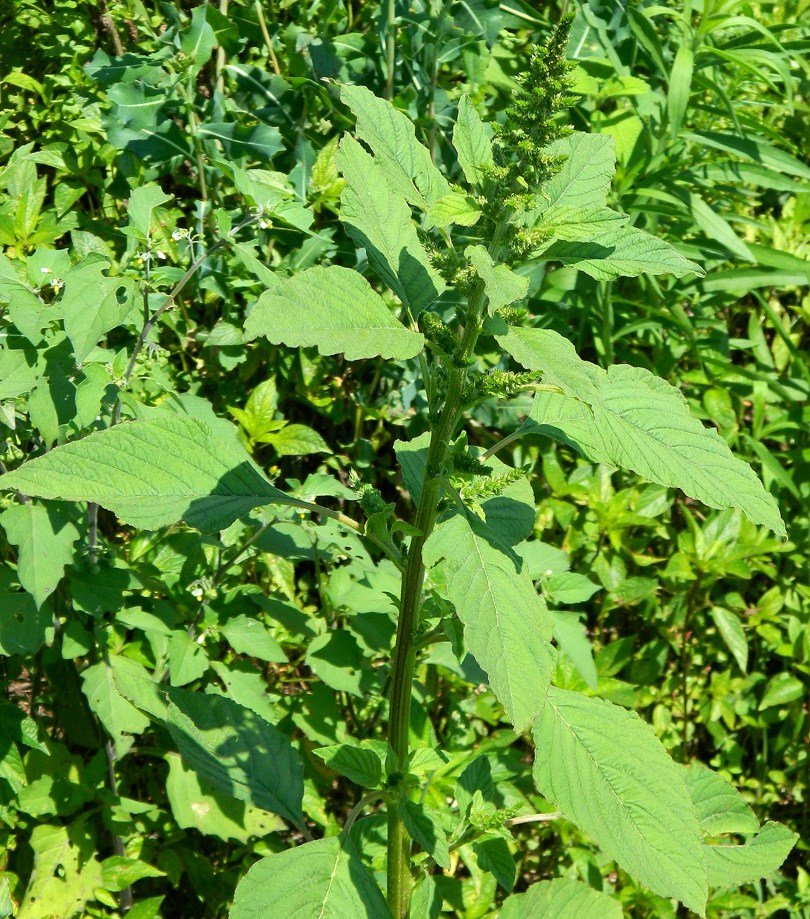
(390, 49)
(404, 663)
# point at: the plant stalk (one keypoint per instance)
(404, 662)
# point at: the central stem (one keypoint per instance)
(404, 662)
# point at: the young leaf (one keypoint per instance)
(502, 285)
(471, 138)
(151, 474)
(506, 624)
(731, 865)
(406, 164)
(335, 310)
(142, 203)
(608, 773)
(238, 752)
(323, 879)
(627, 417)
(359, 764)
(560, 899)
(379, 220)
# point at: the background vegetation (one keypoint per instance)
(133, 136)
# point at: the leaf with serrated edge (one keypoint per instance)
(471, 139)
(620, 252)
(561, 899)
(335, 310)
(506, 624)
(151, 474)
(391, 137)
(502, 285)
(608, 773)
(379, 220)
(323, 879)
(626, 416)
(237, 751)
(720, 807)
(45, 544)
(732, 865)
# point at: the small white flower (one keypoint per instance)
(160, 254)
(57, 284)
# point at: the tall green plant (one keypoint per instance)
(456, 257)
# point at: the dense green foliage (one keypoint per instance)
(306, 305)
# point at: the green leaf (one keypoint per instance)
(493, 855)
(732, 865)
(379, 220)
(502, 285)
(323, 880)
(248, 635)
(65, 872)
(259, 142)
(197, 805)
(151, 474)
(781, 690)
(506, 624)
(622, 251)
(24, 628)
(45, 539)
(608, 773)
(561, 899)
(471, 138)
(407, 165)
(759, 151)
(720, 807)
(238, 752)
(28, 313)
(571, 637)
(454, 208)
(627, 417)
(733, 634)
(335, 310)
(586, 173)
(424, 829)
(187, 659)
(680, 85)
(143, 201)
(119, 717)
(718, 229)
(119, 872)
(20, 368)
(295, 440)
(359, 764)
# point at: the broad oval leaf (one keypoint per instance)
(608, 773)
(506, 624)
(152, 474)
(323, 879)
(628, 417)
(335, 310)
